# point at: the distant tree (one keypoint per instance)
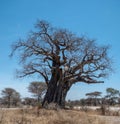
(62, 59)
(112, 92)
(16, 99)
(94, 94)
(112, 95)
(38, 89)
(93, 97)
(10, 97)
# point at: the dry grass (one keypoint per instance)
(30, 116)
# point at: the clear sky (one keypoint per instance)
(98, 19)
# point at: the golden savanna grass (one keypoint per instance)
(30, 116)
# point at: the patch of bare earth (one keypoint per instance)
(31, 116)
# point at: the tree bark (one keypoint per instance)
(57, 87)
(56, 92)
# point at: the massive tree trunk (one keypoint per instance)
(56, 94)
(57, 89)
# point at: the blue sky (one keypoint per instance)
(98, 19)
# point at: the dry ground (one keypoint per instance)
(30, 116)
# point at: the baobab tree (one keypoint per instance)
(61, 58)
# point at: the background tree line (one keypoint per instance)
(11, 98)
(111, 98)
